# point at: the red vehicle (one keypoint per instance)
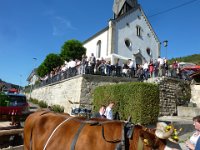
(13, 104)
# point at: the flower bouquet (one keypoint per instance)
(164, 131)
(174, 136)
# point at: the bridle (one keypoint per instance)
(126, 132)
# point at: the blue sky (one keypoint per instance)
(34, 28)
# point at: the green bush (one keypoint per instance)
(42, 104)
(34, 101)
(138, 100)
(57, 108)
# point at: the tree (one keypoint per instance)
(51, 61)
(72, 49)
(42, 70)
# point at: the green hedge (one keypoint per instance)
(138, 100)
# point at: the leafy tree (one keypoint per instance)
(72, 49)
(51, 61)
(42, 70)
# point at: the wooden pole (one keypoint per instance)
(11, 132)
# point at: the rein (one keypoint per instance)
(76, 136)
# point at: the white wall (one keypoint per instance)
(91, 45)
(124, 31)
(60, 93)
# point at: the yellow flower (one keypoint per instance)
(174, 137)
(146, 142)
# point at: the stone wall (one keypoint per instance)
(75, 91)
(78, 91)
(173, 92)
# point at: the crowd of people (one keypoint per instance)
(121, 68)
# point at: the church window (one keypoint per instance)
(127, 43)
(98, 51)
(148, 51)
(138, 31)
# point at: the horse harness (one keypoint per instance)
(127, 132)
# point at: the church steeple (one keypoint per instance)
(120, 7)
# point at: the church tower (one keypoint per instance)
(121, 7)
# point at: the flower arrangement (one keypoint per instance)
(174, 136)
(165, 131)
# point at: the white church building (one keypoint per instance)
(129, 35)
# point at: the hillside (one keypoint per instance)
(191, 58)
(6, 85)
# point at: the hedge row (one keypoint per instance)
(137, 99)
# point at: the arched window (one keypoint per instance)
(138, 31)
(148, 51)
(98, 51)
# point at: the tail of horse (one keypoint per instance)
(28, 128)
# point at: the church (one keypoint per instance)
(129, 35)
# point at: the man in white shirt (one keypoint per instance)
(131, 66)
(109, 112)
(145, 68)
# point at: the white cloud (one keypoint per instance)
(61, 26)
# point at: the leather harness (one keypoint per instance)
(121, 142)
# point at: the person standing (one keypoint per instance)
(191, 144)
(131, 65)
(83, 64)
(151, 68)
(92, 62)
(146, 70)
(109, 112)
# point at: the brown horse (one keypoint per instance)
(47, 130)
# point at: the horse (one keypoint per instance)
(47, 130)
